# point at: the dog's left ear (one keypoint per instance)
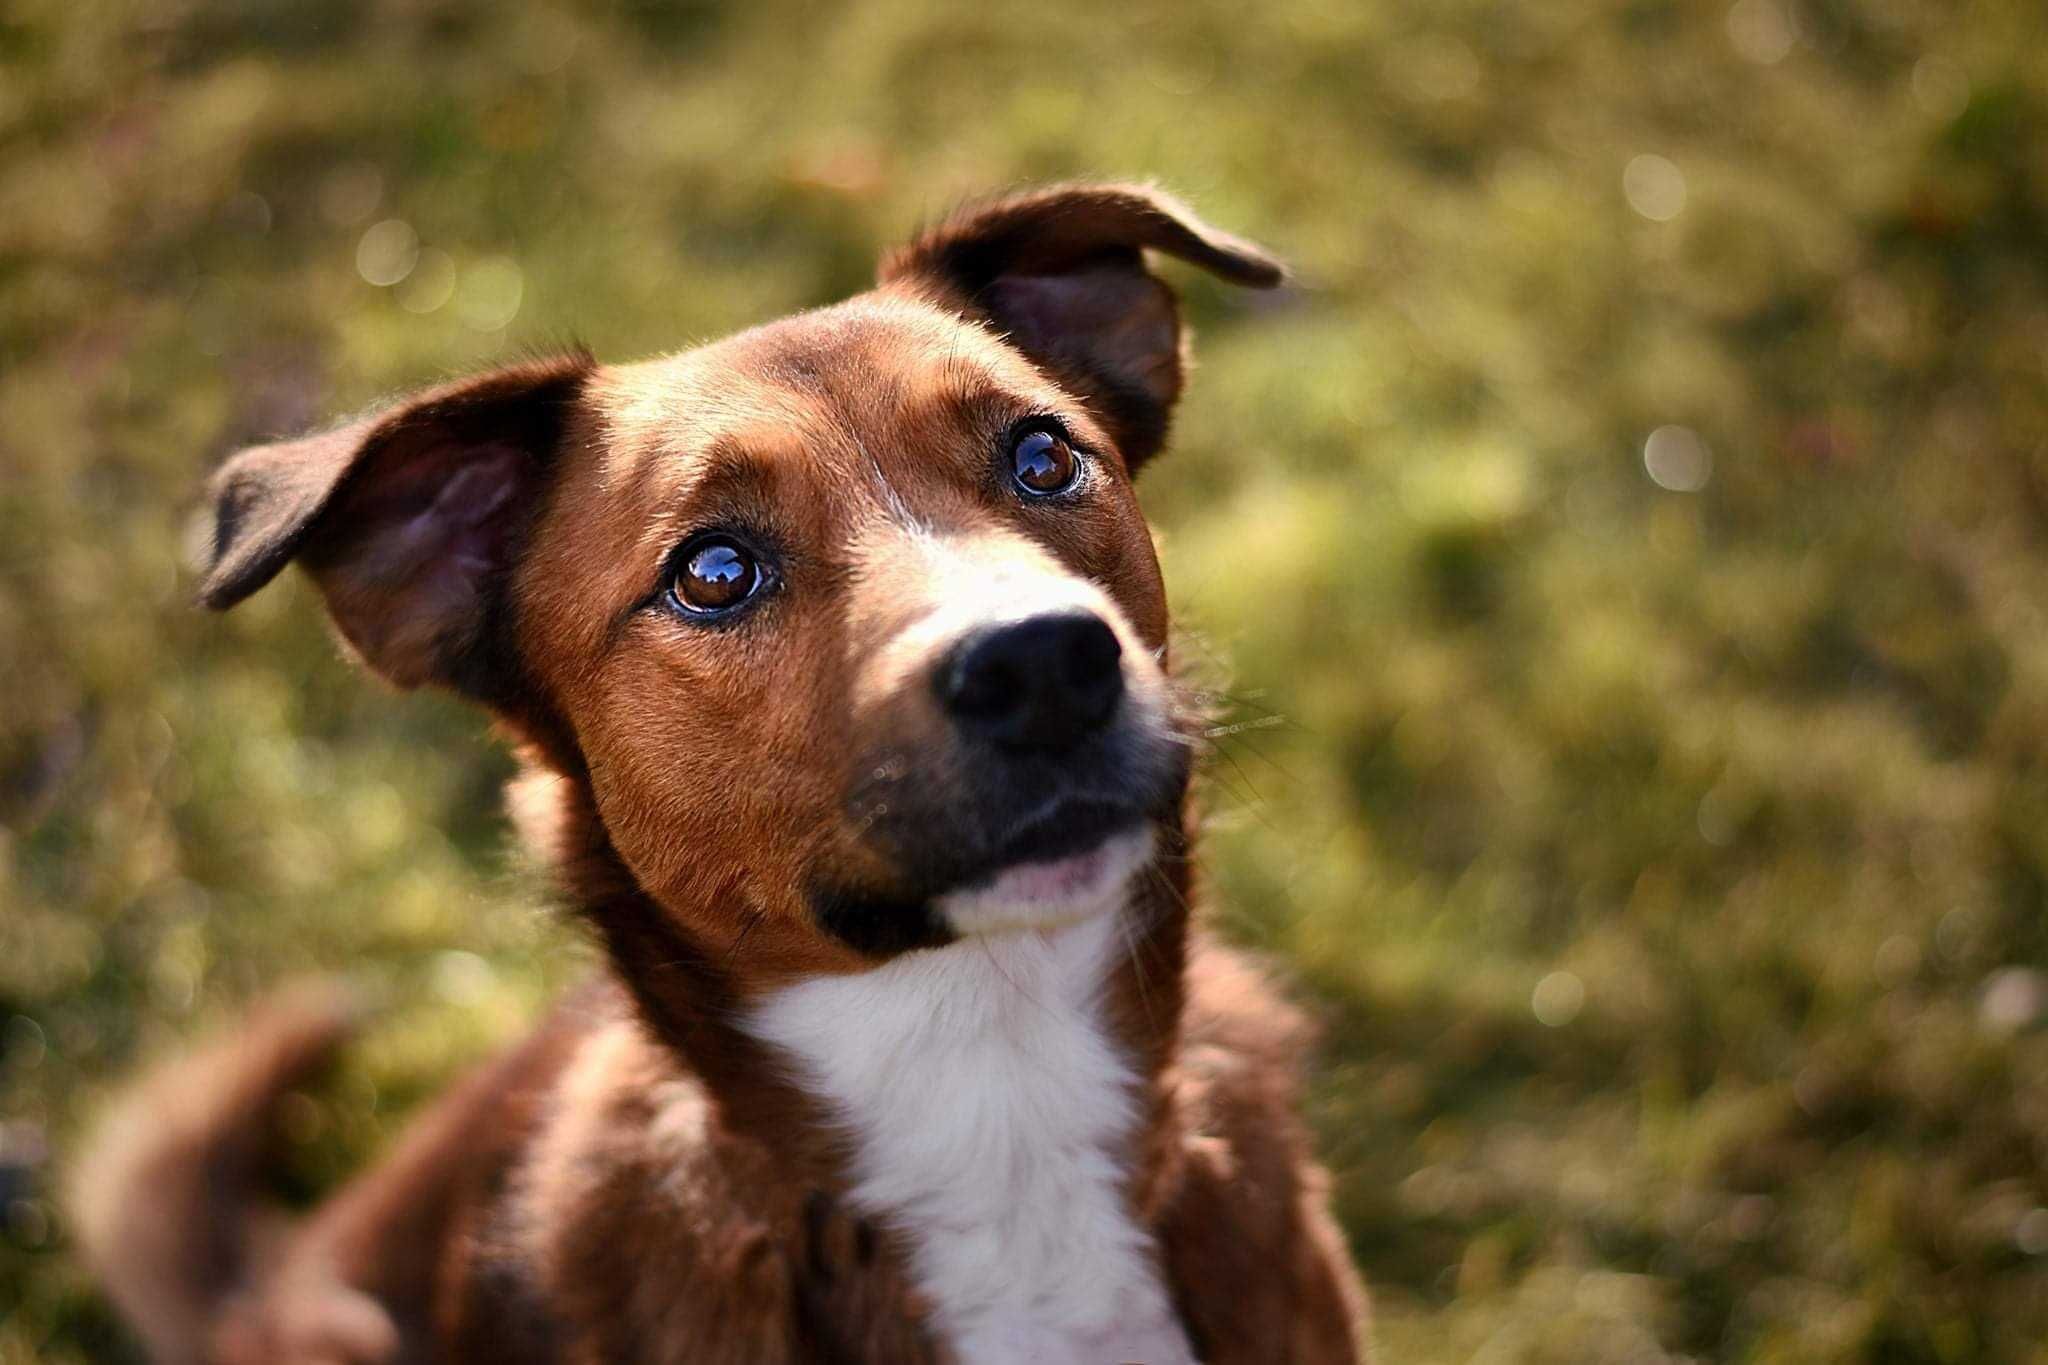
(409, 520)
(1061, 272)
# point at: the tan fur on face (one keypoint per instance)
(862, 438)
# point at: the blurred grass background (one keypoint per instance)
(1629, 546)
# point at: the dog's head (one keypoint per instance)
(849, 624)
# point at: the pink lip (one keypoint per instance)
(1049, 891)
(1056, 880)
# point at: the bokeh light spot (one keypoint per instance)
(490, 293)
(387, 252)
(1677, 459)
(1761, 31)
(462, 978)
(1557, 999)
(1940, 87)
(1654, 186)
(431, 284)
(24, 1043)
(351, 193)
(2014, 999)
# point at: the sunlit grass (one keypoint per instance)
(1637, 518)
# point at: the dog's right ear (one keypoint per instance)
(1060, 273)
(408, 520)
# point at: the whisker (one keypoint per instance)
(1004, 973)
(732, 951)
(1275, 764)
(1128, 932)
(1240, 727)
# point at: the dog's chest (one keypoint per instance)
(990, 1117)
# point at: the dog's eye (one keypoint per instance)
(1043, 463)
(717, 574)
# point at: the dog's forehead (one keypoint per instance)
(872, 412)
(816, 387)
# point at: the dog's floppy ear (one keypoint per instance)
(406, 519)
(1061, 272)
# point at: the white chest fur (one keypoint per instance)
(989, 1114)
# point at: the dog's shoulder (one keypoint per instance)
(1239, 1027)
(1244, 1196)
(648, 1222)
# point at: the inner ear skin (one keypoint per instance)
(407, 558)
(408, 521)
(1110, 334)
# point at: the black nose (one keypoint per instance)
(1046, 682)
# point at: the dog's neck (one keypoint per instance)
(999, 1104)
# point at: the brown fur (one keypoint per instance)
(641, 1180)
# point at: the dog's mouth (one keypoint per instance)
(1068, 864)
(1043, 842)
(1072, 863)
(1067, 829)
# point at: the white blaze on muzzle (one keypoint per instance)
(965, 584)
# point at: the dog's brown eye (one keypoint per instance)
(1042, 463)
(717, 575)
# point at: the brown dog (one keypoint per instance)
(835, 653)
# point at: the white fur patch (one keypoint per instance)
(991, 1117)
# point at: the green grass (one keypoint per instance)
(1651, 854)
